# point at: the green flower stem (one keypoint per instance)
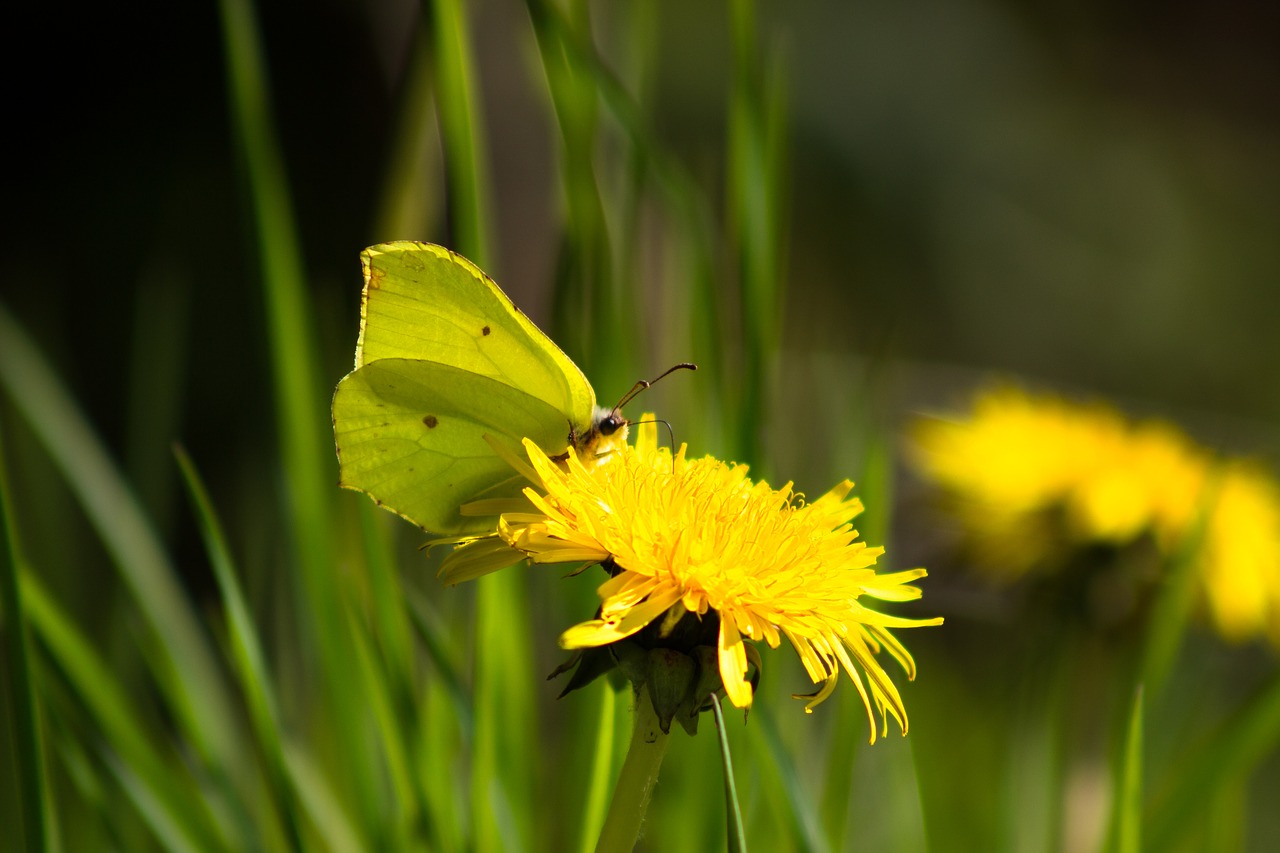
(636, 781)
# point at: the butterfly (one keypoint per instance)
(447, 371)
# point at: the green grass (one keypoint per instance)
(320, 690)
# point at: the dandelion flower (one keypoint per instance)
(699, 537)
(1036, 473)
(1240, 561)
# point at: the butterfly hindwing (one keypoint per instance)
(411, 434)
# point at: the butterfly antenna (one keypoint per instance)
(642, 384)
(671, 434)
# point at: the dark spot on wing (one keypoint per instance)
(430, 421)
(485, 330)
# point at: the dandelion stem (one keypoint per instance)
(636, 781)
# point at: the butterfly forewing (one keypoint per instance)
(424, 302)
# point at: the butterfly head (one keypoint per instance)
(608, 428)
(607, 432)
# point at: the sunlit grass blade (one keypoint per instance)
(581, 55)
(173, 804)
(390, 621)
(384, 649)
(733, 812)
(247, 658)
(587, 317)
(756, 212)
(804, 821)
(1126, 833)
(1221, 763)
(446, 731)
(465, 151)
(840, 752)
(1172, 609)
(601, 773)
(502, 782)
(300, 401)
(34, 810)
(188, 673)
(441, 654)
(844, 743)
(503, 713)
(335, 827)
(156, 813)
(403, 816)
(576, 72)
(301, 408)
(443, 746)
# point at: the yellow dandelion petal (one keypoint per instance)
(698, 537)
(1240, 563)
(477, 558)
(733, 664)
(600, 632)
(814, 663)
(828, 687)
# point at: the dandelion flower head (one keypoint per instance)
(1019, 457)
(698, 536)
(1240, 558)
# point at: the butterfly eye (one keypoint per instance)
(612, 423)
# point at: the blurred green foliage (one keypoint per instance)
(842, 211)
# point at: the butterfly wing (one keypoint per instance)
(445, 359)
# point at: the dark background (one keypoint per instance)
(1084, 194)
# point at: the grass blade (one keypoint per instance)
(465, 152)
(756, 213)
(171, 802)
(597, 798)
(1127, 805)
(805, 824)
(446, 731)
(406, 208)
(733, 812)
(34, 810)
(404, 817)
(187, 668)
(1219, 765)
(442, 655)
(249, 663)
(302, 418)
(504, 714)
(1172, 609)
(587, 316)
(390, 621)
(501, 776)
(692, 330)
(334, 827)
(301, 409)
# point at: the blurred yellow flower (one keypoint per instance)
(699, 536)
(1019, 458)
(1240, 564)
